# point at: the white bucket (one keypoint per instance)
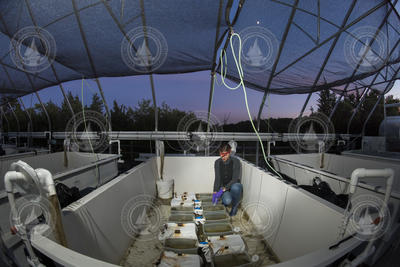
(165, 188)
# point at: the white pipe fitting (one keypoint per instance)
(46, 181)
(387, 174)
(10, 177)
(362, 173)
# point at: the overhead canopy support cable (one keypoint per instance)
(281, 45)
(331, 48)
(89, 55)
(214, 64)
(30, 123)
(153, 92)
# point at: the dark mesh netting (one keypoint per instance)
(288, 46)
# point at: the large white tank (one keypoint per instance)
(390, 128)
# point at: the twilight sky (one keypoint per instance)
(188, 91)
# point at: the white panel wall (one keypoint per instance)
(340, 165)
(307, 225)
(191, 173)
(301, 223)
(93, 224)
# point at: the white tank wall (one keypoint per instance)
(303, 223)
(55, 164)
(340, 165)
(191, 173)
(93, 224)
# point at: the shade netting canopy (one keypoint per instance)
(288, 46)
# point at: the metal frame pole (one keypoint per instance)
(3, 115)
(153, 91)
(47, 116)
(281, 45)
(17, 120)
(30, 124)
(357, 108)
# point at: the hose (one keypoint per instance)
(241, 84)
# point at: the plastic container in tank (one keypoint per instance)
(181, 230)
(204, 197)
(181, 245)
(170, 258)
(182, 209)
(211, 207)
(181, 218)
(216, 216)
(230, 260)
(229, 244)
(217, 228)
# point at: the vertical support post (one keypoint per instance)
(3, 115)
(1, 129)
(210, 100)
(47, 116)
(370, 114)
(294, 8)
(108, 114)
(17, 121)
(67, 100)
(356, 109)
(30, 123)
(153, 94)
(336, 105)
(305, 105)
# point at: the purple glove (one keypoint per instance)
(217, 196)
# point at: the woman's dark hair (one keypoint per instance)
(224, 148)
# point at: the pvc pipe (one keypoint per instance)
(362, 173)
(46, 181)
(119, 149)
(9, 179)
(388, 174)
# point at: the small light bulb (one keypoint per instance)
(258, 22)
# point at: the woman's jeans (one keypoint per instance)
(233, 197)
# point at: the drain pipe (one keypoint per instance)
(388, 174)
(321, 151)
(42, 182)
(119, 149)
(10, 178)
